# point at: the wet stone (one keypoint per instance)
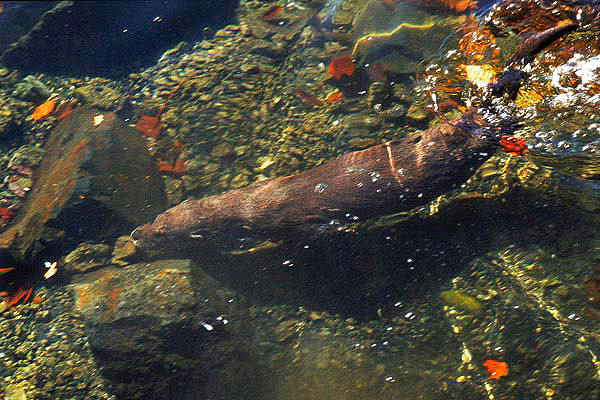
(124, 250)
(192, 183)
(26, 155)
(164, 322)
(232, 28)
(16, 392)
(96, 180)
(249, 68)
(379, 93)
(264, 163)
(290, 22)
(193, 166)
(98, 94)
(86, 257)
(269, 49)
(241, 150)
(358, 121)
(222, 150)
(416, 113)
(223, 33)
(359, 143)
(240, 180)
(174, 190)
(20, 185)
(32, 89)
(394, 112)
(175, 51)
(7, 122)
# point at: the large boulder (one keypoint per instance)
(166, 323)
(96, 180)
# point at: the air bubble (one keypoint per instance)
(321, 187)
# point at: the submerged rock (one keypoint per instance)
(460, 300)
(278, 23)
(86, 257)
(165, 322)
(96, 180)
(99, 93)
(124, 251)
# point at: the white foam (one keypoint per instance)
(588, 70)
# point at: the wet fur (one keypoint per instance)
(384, 179)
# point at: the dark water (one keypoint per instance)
(150, 103)
(111, 39)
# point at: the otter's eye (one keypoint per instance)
(199, 234)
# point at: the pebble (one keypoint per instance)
(240, 180)
(249, 68)
(416, 113)
(222, 150)
(264, 163)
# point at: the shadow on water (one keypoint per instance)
(113, 38)
(368, 275)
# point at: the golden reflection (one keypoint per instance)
(528, 97)
(369, 38)
(480, 75)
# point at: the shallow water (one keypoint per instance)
(397, 273)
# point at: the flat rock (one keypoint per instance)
(96, 181)
(86, 257)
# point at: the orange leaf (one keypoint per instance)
(335, 96)
(513, 145)
(272, 12)
(22, 296)
(496, 369)
(179, 167)
(164, 166)
(43, 110)
(6, 213)
(149, 126)
(340, 66)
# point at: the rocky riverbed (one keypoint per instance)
(411, 305)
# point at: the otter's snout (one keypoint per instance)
(138, 235)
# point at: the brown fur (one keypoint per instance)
(527, 50)
(380, 180)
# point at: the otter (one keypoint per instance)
(384, 179)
